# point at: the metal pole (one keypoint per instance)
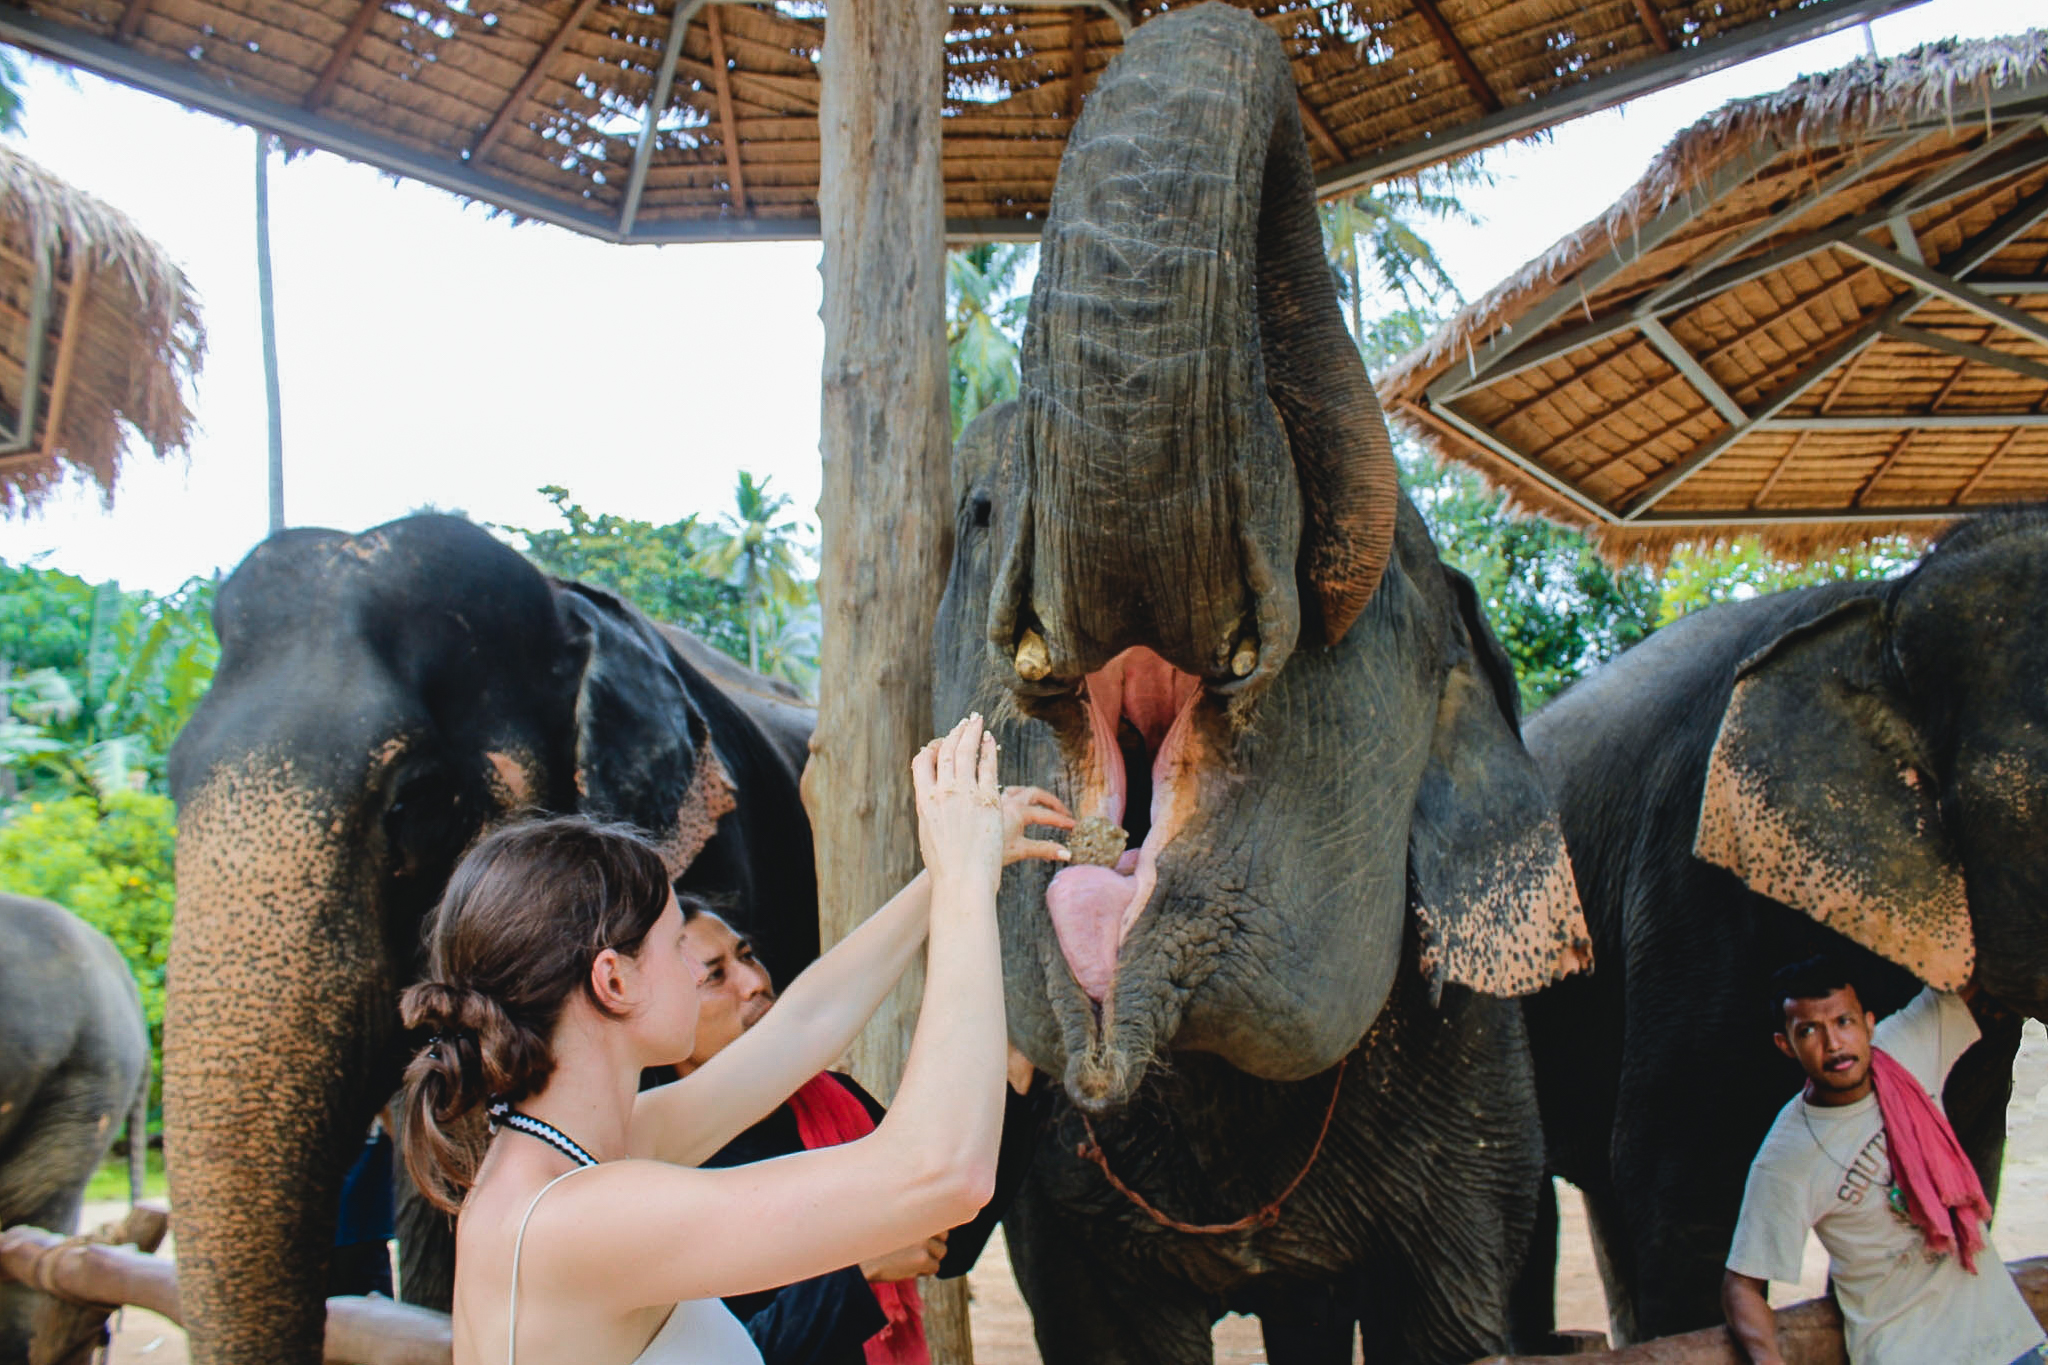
(266, 308)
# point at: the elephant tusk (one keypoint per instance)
(1034, 661)
(1245, 659)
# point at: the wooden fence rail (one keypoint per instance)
(90, 1276)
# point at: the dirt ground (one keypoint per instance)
(1002, 1326)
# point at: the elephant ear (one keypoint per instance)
(643, 751)
(1489, 879)
(1818, 795)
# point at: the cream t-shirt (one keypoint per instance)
(1826, 1168)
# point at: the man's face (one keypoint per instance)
(1830, 1039)
(735, 992)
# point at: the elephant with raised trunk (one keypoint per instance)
(1861, 767)
(382, 698)
(1314, 857)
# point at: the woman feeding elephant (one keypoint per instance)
(560, 970)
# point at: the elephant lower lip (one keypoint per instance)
(1092, 910)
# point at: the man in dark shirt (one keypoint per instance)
(828, 1320)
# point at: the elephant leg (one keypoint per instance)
(1681, 1210)
(1532, 1302)
(1976, 1094)
(42, 1184)
(1307, 1325)
(1089, 1310)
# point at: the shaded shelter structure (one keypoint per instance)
(99, 338)
(1821, 315)
(542, 107)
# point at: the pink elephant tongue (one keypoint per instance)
(1088, 906)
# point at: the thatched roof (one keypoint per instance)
(108, 325)
(1821, 315)
(541, 107)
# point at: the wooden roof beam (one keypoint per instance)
(131, 20)
(1119, 11)
(1654, 26)
(728, 133)
(657, 105)
(501, 122)
(1982, 355)
(344, 53)
(1905, 421)
(1584, 97)
(1796, 516)
(1442, 415)
(1318, 129)
(1950, 288)
(1077, 59)
(1695, 373)
(1460, 58)
(1657, 488)
(2011, 439)
(1884, 467)
(1506, 356)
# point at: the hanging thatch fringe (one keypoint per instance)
(135, 340)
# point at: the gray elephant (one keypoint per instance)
(1862, 766)
(74, 1063)
(382, 698)
(1313, 855)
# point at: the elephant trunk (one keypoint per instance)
(1198, 440)
(276, 1007)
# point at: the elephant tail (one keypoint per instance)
(138, 1135)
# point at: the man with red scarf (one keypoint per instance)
(863, 1315)
(1865, 1157)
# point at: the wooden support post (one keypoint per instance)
(67, 357)
(884, 437)
(1646, 14)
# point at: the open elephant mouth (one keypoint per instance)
(1137, 783)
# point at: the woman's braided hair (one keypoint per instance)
(525, 914)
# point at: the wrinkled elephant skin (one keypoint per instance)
(1861, 767)
(1189, 594)
(74, 1063)
(381, 699)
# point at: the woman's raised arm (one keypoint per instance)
(817, 1018)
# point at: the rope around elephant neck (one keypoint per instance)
(1265, 1217)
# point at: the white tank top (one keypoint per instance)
(697, 1332)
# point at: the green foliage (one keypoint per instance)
(97, 681)
(1375, 244)
(1744, 569)
(646, 564)
(110, 1182)
(753, 552)
(108, 862)
(985, 309)
(737, 585)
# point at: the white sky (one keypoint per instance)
(430, 353)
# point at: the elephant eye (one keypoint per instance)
(981, 506)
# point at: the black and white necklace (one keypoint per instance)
(504, 1115)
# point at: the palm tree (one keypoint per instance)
(984, 320)
(753, 552)
(1375, 243)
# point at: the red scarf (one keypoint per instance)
(827, 1114)
(1943, 1196)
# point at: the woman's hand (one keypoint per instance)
(959, 813)
(922, 1258)
(1023, 806)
